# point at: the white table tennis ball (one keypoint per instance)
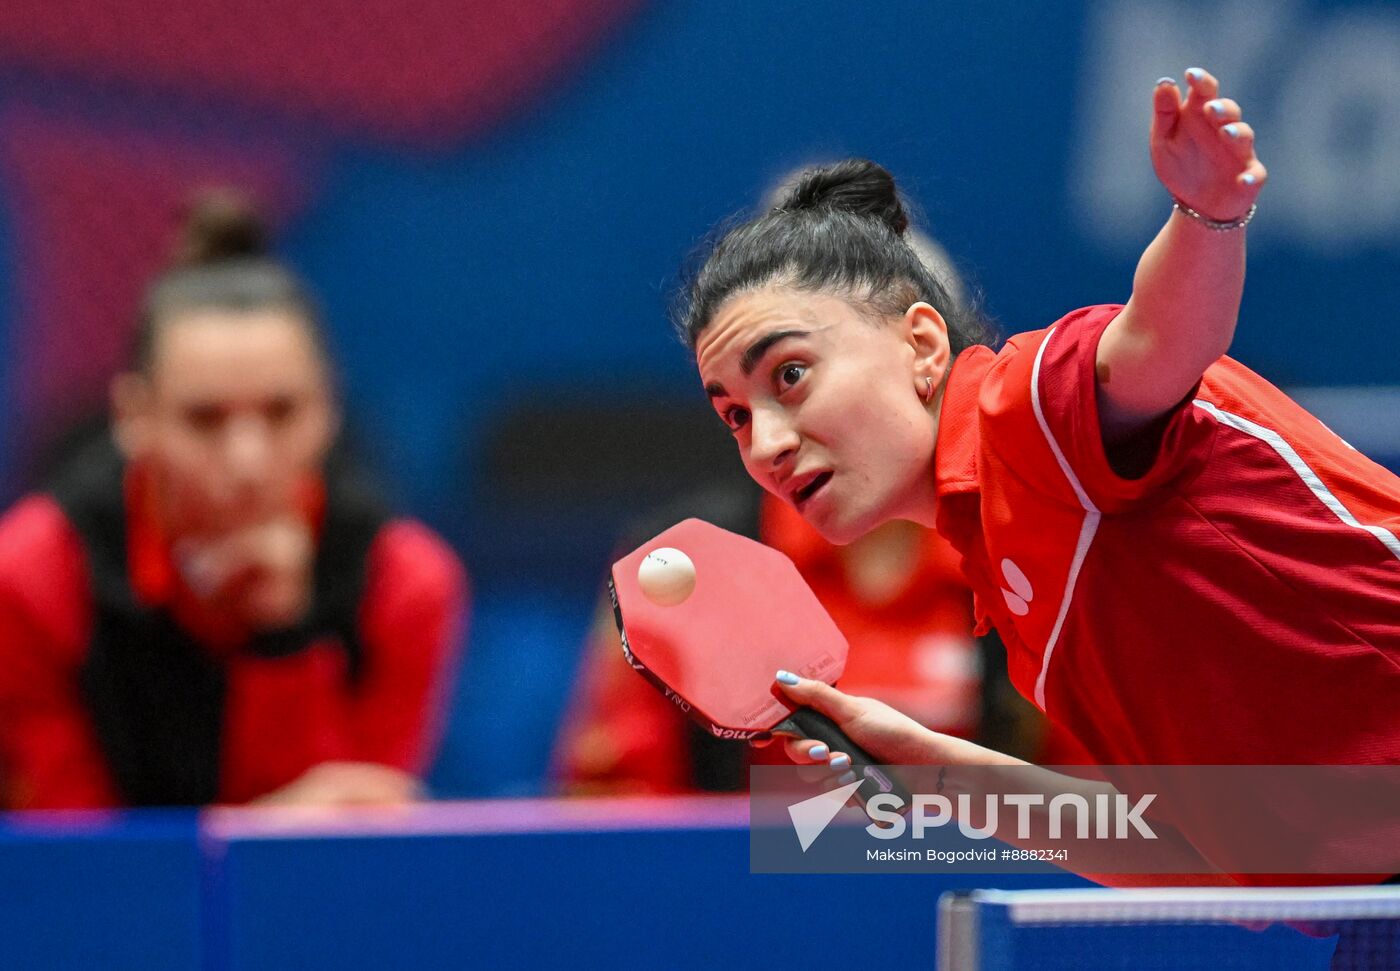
(666, 576)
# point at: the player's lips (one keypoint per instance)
(801, 488)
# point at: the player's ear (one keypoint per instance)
(131, 413)
(330, 427)
(927, 334)
(326, 413)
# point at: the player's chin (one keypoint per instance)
(836, 524)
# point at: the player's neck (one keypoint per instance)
(879, 565)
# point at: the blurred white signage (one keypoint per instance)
(1321, 86)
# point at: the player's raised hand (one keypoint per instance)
(1201, 149)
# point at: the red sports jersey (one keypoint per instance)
(283, 715)
(1238, 603)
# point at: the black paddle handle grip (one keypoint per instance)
(810, 723)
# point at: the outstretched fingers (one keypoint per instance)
(1203, 150)
(1166, 108)
(1201, 86)
(1221, 111)
(1254, 175)
(1239, 136)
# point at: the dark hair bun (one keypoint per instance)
(222, 224)
(855, 185)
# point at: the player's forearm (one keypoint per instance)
(1188, 285)
(1180, 319)
(940, 749)
(1013, 775)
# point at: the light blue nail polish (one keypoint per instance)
(1232, 130)
(1217, 109)
(787, 677)
(1162, 81)
(818, 752)
(1195, 73)
(849, 777)
(840, 761)
(1249, 179)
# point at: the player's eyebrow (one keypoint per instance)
(753, 355)
(761, 347)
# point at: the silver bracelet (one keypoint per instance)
(1215, 224)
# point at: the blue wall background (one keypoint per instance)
(533, 263)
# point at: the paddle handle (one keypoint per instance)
(810, 723)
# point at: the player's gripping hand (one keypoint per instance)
(1202, 151)
(889, 736)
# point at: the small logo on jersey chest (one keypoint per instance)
(1018, 598)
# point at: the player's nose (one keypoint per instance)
(247, 451)
(773, 439)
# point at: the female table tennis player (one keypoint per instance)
(209, 609)
(1186, 566)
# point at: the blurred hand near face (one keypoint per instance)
(261, 573)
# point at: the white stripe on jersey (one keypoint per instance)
(1086, 530)
(1295, 461)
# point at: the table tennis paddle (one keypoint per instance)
(716, 651)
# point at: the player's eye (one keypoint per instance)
(736, 417)
(789, 374)
(205, 418)
(280, 410)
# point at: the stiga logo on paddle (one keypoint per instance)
(732, 733)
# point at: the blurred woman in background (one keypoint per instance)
(204, 606)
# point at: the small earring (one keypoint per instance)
(928, 390)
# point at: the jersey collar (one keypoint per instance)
(955, 457)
